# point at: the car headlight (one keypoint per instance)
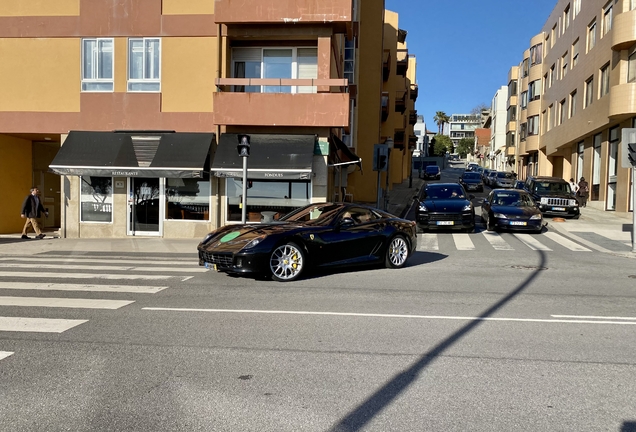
(467, 207)
(536, 216)
(573, 202)
(501, 216)
(254, 242)
(423, 208)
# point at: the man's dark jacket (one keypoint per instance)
(28, 207)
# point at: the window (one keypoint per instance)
(605, 80)
(589, 92)
(566, 18)
(579, 162)
(524, 100)
(534, 90)
(632, 4)
(572, 104)
(550, 117)
(612, 168)
(293, 63)
(577, 8)
(533, 125)
(607, 18)
(525, 68)
(523, 131)
(96, 199)
(510, 139)
(188, 198)
(547, 44)
(349, 60)
(512, 88)
(575, 53)
(266, 199)
(545, 82)
(596, 168)
(562, 111)
(553, 35)
(631, 67)
(97, 65)
(552, 74)
(544, 121)
(536, 54)
(564, 65)
(512, 113)
(591, 35)
(144, 65)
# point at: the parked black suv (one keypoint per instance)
(554, 196)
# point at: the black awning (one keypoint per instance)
(133, 154)
(341, 154)
(272, 156)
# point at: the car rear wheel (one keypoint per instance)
(287, 262)
(397, 253)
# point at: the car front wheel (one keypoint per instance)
(490, 225)
(287, 262)
(397, 253)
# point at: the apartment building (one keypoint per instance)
(577, 83)
(462, 126)
(499, 160)
(127, 114)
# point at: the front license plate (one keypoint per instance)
(445, 222)
(211, 266)
(558, 208)
(518, 223)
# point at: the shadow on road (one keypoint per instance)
(364, 413)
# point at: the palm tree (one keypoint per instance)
(440, 119)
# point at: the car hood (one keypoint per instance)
(448, 205)
(515, 211)
(231, 238)
(555, 195)
(471, 181)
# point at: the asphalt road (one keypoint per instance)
(480, 340)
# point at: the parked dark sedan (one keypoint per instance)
(317, 235)
(471, 180)
(511, 209)
(446, 205)
(432, 172)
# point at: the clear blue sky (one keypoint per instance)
(465, 48)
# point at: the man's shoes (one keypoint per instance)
(25, 237)
(41, 236)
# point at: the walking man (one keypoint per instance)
(583, 192)
(31, 210)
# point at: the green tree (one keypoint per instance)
(442, 145)
(440, 119)
(465, 146)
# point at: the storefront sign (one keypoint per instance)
(321, 148)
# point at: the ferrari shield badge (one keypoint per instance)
(311, 236)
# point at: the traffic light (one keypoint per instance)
(431, 147)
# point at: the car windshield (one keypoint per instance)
(512, 199)
(552, 187)
(507, 175)
(445, 192)
(471, 175)
(314, 214)
(432, 168)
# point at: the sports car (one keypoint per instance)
(318, 235)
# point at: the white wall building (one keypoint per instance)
(498, 130)
(462, 126)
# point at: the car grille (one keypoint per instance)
(224, 259)
(555, 201)
(445, 217)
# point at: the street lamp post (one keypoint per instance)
(243, 149)
(389, 145)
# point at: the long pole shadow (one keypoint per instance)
(364, 413)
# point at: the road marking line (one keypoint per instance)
(113, 268)
(463, 242)
(565, 242)
(50, 275)
(75, 303)
(5, 354)
(428, 242)
(100, 260)
(586, 242)
(532, 242)
(38, 325)
(594, 317)
(497, 242)
(429, 317)
(81, 287)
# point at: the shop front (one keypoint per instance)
(118, 184)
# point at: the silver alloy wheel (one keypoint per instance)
(286, 262)
(398, 251)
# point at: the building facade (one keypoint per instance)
(462, 126)
(499, 160)
(576, 86)
(127, 115)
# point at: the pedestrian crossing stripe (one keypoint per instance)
(73, 303)
(5, 354)
(66, 275)
(101, 261)
(464, 242)
(38, 325)
(109, 268)
(36, 286)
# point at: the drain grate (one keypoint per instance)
(528, 267)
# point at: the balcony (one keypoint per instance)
(510, 151)
(623, 99)
(412, 142)
(624, 30)
(413, 117)
(385, 106)
(398, 139)
(386, 65)
(414, 92)
(283, 11)
(400, 102)
(281, 104)
(402, 62)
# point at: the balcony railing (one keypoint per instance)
(282, 85)
(402, 62)
(413, 117)
(412, 142)
(386, 65)
(398, 139)
(400, 102)
(385, 106)
(414, 92)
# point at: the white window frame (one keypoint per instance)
(589, 92)
(591, 35)
(576, 8)
(294, 65)
(573, 104)
(96, 62)
(575, 53)
(144, 80)
(566, 18)
(604, 80)
(631, 66)
(608, 17)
